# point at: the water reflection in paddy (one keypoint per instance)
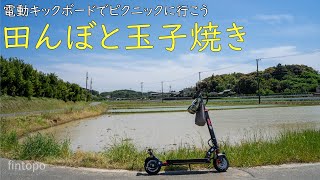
(167, 130)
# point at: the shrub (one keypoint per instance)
(41, 146)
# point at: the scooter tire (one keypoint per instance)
(152, 166)
(221, 163)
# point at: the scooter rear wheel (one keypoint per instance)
(221, 163)
(152, 166)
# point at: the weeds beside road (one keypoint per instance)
(289, 147)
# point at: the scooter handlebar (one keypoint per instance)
(207, 99)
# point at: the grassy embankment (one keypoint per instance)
(219, 102)
(11, 104)
(288, 147)
(62, 112)
(22, 104)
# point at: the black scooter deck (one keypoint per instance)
(188, 161)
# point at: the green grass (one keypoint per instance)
(22, 104)
(11, 104)
(36, 147)
(142, 104)
(173, 103)
(124, 155)
(23, 125)
(40, 146)
(289, 147)
(8, 141)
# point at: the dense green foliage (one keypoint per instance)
(281, 79)
(21, 79)
(127, 94)
(286, 79)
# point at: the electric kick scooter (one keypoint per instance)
(220, 162)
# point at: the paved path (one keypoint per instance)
(49, 172)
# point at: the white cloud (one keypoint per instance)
(287, 55)
(274, 18)
(273, 51)
(110, 72)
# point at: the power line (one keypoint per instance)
(184, 77)
(236, 65)
(218, 69)
(198, 73)
(272, 57)
(291, 55)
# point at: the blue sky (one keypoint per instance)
(272, 28)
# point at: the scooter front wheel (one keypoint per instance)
(152, 166)
(221, 163)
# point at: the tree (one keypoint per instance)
(21, 79)
(279, 72)
(28, 89)
(247, 85)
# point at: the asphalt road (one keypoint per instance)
(10, 171)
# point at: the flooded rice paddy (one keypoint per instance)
(167, 130)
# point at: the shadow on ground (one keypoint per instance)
(177, 173)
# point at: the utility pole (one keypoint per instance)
(91, 85)
(141, 84)
(87, 81)
(87, 86)
(170, 88)
(258, 80)
(90, 89)
(162, 91)
(199, 76)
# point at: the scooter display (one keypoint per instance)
(220, 162)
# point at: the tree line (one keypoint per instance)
(21, 79)
(129, 94)
(280, 79)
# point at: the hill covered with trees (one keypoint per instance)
(284, 79)
(126, 94)
(280, 79)
(21, 79)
